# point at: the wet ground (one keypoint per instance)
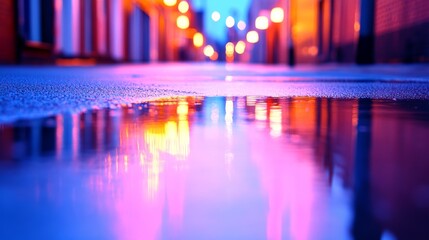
(219, 168)
(29, 91)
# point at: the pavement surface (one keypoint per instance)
(39, 91)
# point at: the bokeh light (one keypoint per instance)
(252, 37)
(277, 15)
(170, 3)
(182, 22)
(216, 16)
(240, 47)
(214, 56)
(241, 25)
(198, 39)
(230, 22)
(261, 23)
(208, 51)
(229, 48)
(183, 7)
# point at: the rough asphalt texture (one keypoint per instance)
(29, 91)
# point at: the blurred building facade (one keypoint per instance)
(330, 30)
(312, 31)
(89, 30)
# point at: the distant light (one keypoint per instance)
(240, 47)
(252, 37)
(198, 39)
(216, 16)
(277, 15)
(261, 23)
(214, 56)
(230, 22)
(183, 7)
(357, 26)
(208, 51)
(182, 22)
(170, 3)
(313, 50)
(229, 48)
(241, 25)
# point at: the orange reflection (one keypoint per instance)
(150, 164)
(290, 173)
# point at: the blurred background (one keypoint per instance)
(67, 32)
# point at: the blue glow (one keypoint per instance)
(217, 30)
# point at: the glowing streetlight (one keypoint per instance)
(198, 39)
(261, 23)
(208, 51)
(252, 37)
(277, 15)
(170, 3)
(229, 48)
(183, 7)
(240, 47)
(230, 22)
(241, 25)
(214, 56)
(216, 16)
(182, 22)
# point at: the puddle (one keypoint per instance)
(219, 168)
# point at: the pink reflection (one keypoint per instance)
(288, 182)
(175, 192)
(288, 177)
(139, 213)
(146, 175)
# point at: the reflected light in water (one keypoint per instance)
(229, 110)
(164, 143)
(198, 168)
(59, 135)
(275, 121)
(261, 111)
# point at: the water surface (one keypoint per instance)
(220, 168)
